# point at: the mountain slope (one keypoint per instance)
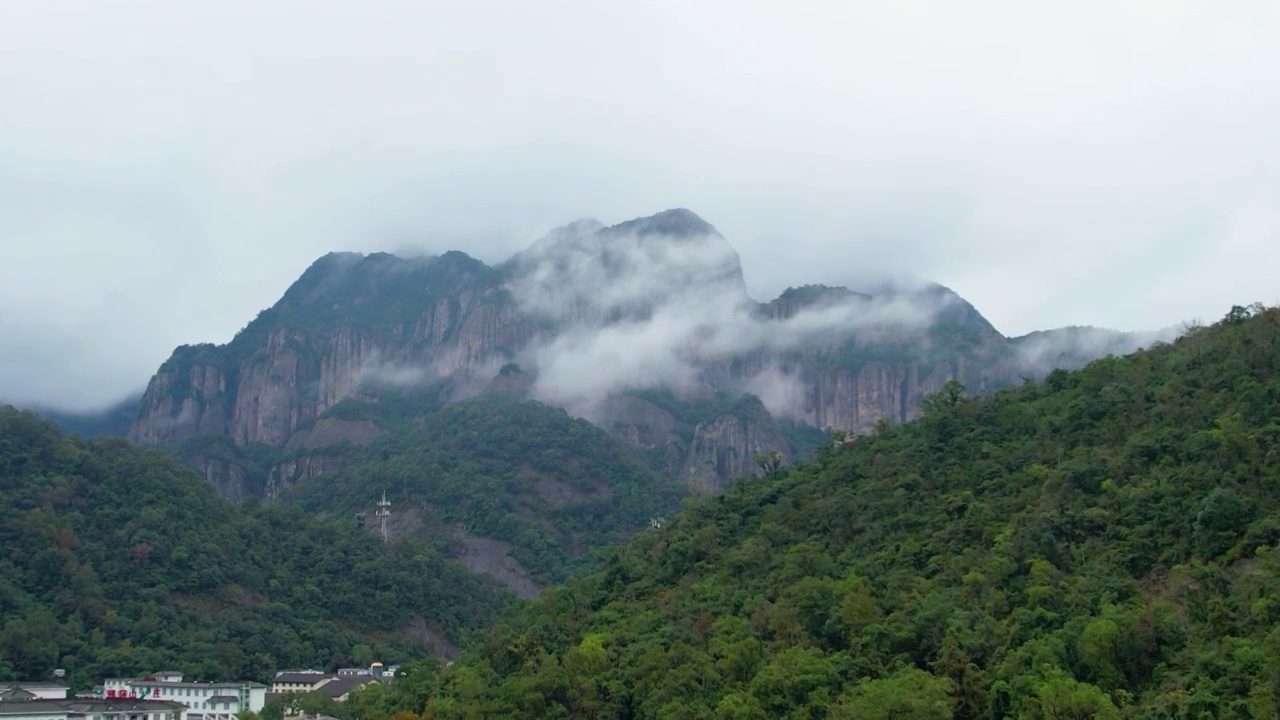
(117, 561)
(113, 421)
(1102, 544)
(518, 490)
(351, 325)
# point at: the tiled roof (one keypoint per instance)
(341, 686)
(42, 685)
(16, 693)
(306, 678)
(188, 684)
(86, 707)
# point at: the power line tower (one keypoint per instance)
(384, 512)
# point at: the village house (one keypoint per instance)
(200, 700)
(299, 681)
(334, 684)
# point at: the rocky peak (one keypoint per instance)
(796, 299)
(674, 223)
(648, 304)
(587, 274)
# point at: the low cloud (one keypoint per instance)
(378, 374)
(1040, 352)
(634, 311)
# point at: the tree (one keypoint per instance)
(1224, 515)
(1064, 698)
(768, 462)
(909, 694)
(948, 397)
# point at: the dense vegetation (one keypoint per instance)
(1099, 545)
(117, 561)
(521, 472)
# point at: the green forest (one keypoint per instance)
(1099, 545)
(1102, 544)
(526, 473)
(118, 561)
(521, 472)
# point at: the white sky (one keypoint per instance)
(168, 168)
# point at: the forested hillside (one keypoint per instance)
(116, 561)
(1100, 545)
(523, 473)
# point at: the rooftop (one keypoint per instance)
(344, 684)
(174, 683)
(300, 677)
(16, 693)
(33, 707)
(21, 683)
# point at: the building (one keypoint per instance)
(299, 681)
(78, 709)
(32, 691)
(202, 701)
(340, 688)
(335, 685)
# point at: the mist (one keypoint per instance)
(167, 169)
(1073, 347)
(626, 310)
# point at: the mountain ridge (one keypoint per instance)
(589, 313)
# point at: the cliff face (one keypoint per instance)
(724, 447)
(185, 398)
(318, 450)
(230, 479)
(583, 319)
(335, 335)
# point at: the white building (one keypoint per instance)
(202, 701)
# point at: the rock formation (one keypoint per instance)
(578, 311)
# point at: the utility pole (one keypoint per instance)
(384, 512)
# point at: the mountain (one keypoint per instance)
(1073, 347)
(118, 561)
(597, 320)
(1102, 544)
(516, 490)
(113, 421)
(350, 325)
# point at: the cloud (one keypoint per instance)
(628, 312)
(379, 375)
(167, 169)
(1073, 347)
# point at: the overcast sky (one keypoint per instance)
(168, 168)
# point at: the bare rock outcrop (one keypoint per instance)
(724, 447)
